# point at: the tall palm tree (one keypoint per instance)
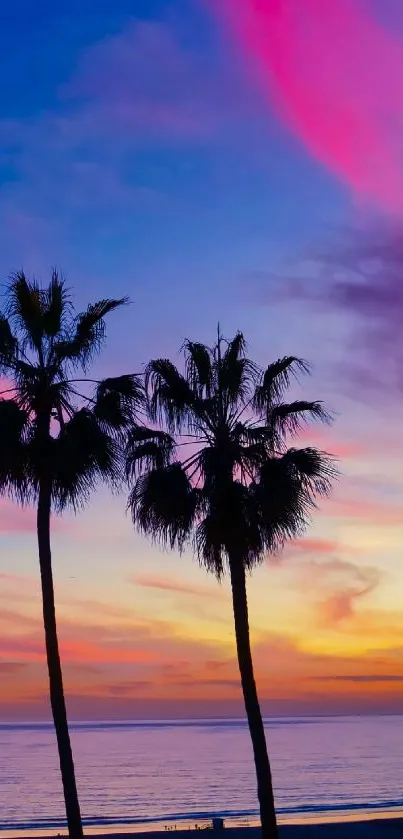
(239, 493)
(59, 435)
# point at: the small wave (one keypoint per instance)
(97, 725)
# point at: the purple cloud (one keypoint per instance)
(366, 284)
(147, 79)
(355, 285)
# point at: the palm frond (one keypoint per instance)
(14, 431)
(8, 345)
(56, 306)
(118, 400)
(81, 455)
(236, 374)
(199, 370)
(287, 493)
(237, 378)
(277, 379)
(315, 469)
(289, 418)
(208, 545)
(13, 419)
(229, 529)
(129, 387)
(235, 349)
(284, 512)
(147, 449)
(25, 309)
(163, 505)
(89, 333)
(171, 398)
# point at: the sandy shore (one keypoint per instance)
(373, 829)
(376, 828)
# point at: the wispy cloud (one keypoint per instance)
(9, 668)
(338, 585)
(170, 585)
(307, 545)
(15, 618)
(356, 509)
(364, 283)
(352, 282)
(130, 688)
(149, 81)
(364, 678)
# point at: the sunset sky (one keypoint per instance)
(199, 156)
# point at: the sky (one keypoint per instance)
(236, 161)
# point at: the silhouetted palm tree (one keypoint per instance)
(240, 492)
(57, 442)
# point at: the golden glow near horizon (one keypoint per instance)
(139, 626)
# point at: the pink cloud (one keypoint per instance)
(365, 510)
(324, 439)
(334, 75)
(315, 546)
(15, 519)
(343, 584)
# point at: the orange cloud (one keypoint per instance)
(192, 675)
(130, 664)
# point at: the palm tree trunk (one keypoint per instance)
(253, 712)
(54, 667)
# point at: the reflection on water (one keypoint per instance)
(134, 775)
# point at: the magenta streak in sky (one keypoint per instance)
(334, 75)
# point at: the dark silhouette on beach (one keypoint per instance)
(239, 494)
(59, 435)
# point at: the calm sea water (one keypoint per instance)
(133, 775)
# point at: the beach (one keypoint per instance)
(371, 828)
(360, 829)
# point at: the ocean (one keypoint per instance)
(139, 775)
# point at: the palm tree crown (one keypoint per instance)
(47, 425)
(239, 491)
